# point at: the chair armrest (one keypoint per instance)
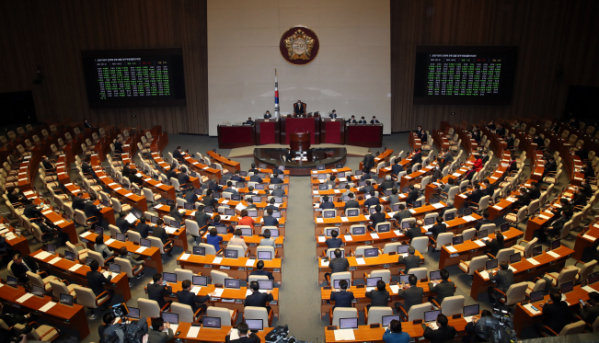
(139, 271)
(235, 315)
(328, 278)
(198, 315)
(434, 301)
(49, 332)
(402, 313)
(90, 221)
(80, 244)
(111, 258)
(42, 273)
(365, 315)
(546, 331)
(103, 294)
(577, 262)
(547, 274)
(165, 307)
(491, 256)
(524, 242)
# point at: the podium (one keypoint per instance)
(267, 131)
(300, 145)
(332, 131)
(289, 125)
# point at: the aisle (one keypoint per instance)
(300, 295)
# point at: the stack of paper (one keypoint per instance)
(360, 261)
(24, 298)
(75, 267)
(140, 250)
(348, 238)
(553, 254)
(217, 260)
(589, 289)
(85, 234)
(469, 218)
(42, 255)
(322, 239)
(184, 257)
(484, 274)
(54, 260)
(533, 261)
(110, 241)
(394, 289)
(196, 289)
(48, 306)
(590, 238)
(531, 310)
(345, 335)
(344, 219)
(374, 235)
(324, 263)
(218, 292)
(480, 243)
(319, 220)
(451, 249)
(398, 233)
(193, 332)
(250, 262)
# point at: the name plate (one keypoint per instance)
(225, 267)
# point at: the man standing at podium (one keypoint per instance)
(267, 115)
(333, 114)
(299, 109)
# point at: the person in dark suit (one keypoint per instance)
(447, 158)
(260, 270)
(92, 210)
(178, 154)
(437, 174)
(275, 179)
(338, 264)
(21, 265)
(374, 120)
(476, 136)
(412, 295)
(157, 291)
(402, 214)
(299, 108)
(378, 297)
(368, 188)
(236, 177)
(500, 130)
(334, 242)
(352, 120)
(48, 166)
(86, 124)
(118, 146)
(387, 184)
(131, 173)
(186, 297)
(476, 195)
(96, 281)
(333, 115)
(444, 289)
(351, 203)
(159, 231)
(394, 197)
(122, 224)
(172, 172)
(156, 335)
(484, 157)
(174, 212)
(258, 299)
(484, 221)
(208, 200)
(16, 195)
(372, 200)
(556, 314)
(417, 157)
(523, 198)
(249, 121)
(590, 311)
(269, 220)
(362, 120)
(504, 278)
(230, 188)
(243, 329)
(586, 188)
(444, 333)
(554, 229)
(201, 217)
(343, 298)
(267, 115)
(326, 204)
(489, 188)
(419, 131)
(253, 169)
(438, 228)
(278, 191)
(368, 161)
(365, 174)
(580, 199)
(377, 216)
(142, 228)
(183, 178)
(396, 168)
(550, 166)
(410, 261)
(78, 202)
(494, 245)
(412, 195)
(256, 178)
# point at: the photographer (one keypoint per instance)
(157, 334)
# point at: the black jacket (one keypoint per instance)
(20, 271)
(208, 200)
(326, 205)
(412, 196)
(504, 279)
(414, 232)
(557, 315)
(441, 335)
(160, 232)
(143, 229)
(202, 218)
(191, 299)
(342, 299)
(258, 299)
(251, 339)
(333, 243)
(174, 212)
(494, 246)
(412, 296)
(437, 229)
(78, 204)
(443, 289)
(95, 281)
(158, 292)
(377, 218)
(368, 161)
(409, 262)
(378, 298)
(351, 204)
(270, 221)
(475, 196)
(276, 180)
(122, 224)
(396, 169)
(339, 265)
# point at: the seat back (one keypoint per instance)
(157, 243)
(360, 250)
(134, 236)
(516, 293)
(476, 263)
(80, 218)
(446, 213)
(257, 278)
(254, 312)
(223, 313)
(391, 247)
(420, 244)
(148, 308)
(87, 298)
(376, 313)
(483, 203)
(573, 328)
(504, 255)
(468, 234)
(240, 250)
(185, 312)
(566, 275)
(96, 256)
(35, 279)
(490, 228)
(58, 287)
(113, 230)
(586, 269)
(341, 276)
(442, 239)
(385, 274)
(218, 277)
(529, 246)
(453, 305)
(417, 311)
(343, 312)
(268, 248)
(192, 227)
(539, 285)
(183, 274)
(126, 266)
(209, 248)
(420, 273)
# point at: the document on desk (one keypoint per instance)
(344, 219)
(24, 298)
(319, 220)
(544, 217)
(218, 292)
(224, 202)
(412, 211)
(480, 243)
(110, 241)
(438, 205)
(170, 230)
(193, 332)
(345, 335)
(451, 249)
(589, 237)
(54, 260)
(157, 207)
(529, 308)
(85, 234)
(498, 208)
(196, 289)
(374, 235)
(484, 274)
(47, 212)
(556, 255)
(513, 269)
(141, 250)
(589, 289)
(394, 289)
(324, 263)
(75, 267)
(59, 222)
(184, 257)
(348, 238)
(322, 239)
(234, 334)
(250, 262)
(533, 261)
(398, 233)
(48, 306)
(43, 255)
(367, 216)
(128, 194)
(469, 218)
(360, 261)
(315, 192)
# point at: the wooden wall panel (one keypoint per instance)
(51, 34)
(554, 36)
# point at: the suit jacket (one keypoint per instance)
(251, 339)
(485, 159)
(78, 204)
(208, 200)
(414, 232)
(339, 265)
(95, 280)
(377, 218)
(409, 262)
(156, 336)
(475, 196)
(378, 298)
(202, 218)
(534, 193)
(174, 212)
(375, 121)
(557, 315)
(437, 229)
(504, 278)
(371, 202)
(264, 273)
(143, 229)
(333, 115)
(368, 161)
(412, 196)
(494, 246)
(270, 221)
(276, 180)
(278, 193)
(589, 314)
(122, 224)
(258, 299)
(191, 299)
(342, 299)
(160, 232)
(326, 205)
(333, 243)
(417, 158)
(177, 154)
(367, 189)
(441, 335)
(351, 204)
(20, 271)
(183, 178)
(158, 292)
(412, 296)
(237, 178)
(387, 184)
(483, 222)
(443, 289)
(396, 169)
(393, 199)
(256, 178)
(399, 215)
(267, 115)
(299, 109)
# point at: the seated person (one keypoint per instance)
(378, 297)
(244, 335)
(136, 265)
(258, 299)
(21, 265)
(185, 296)
(412, 295)
(269, 220)
(267, 241)
(260, 270)
(326, 204)
(214, 239)
(444, 333)
(101, 248)
(334, 242)
(237, 239)
(411, 261)
(343, 298)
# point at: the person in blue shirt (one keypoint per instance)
(343, 298)
(269, 220)
(326, 204)
(394, 333)
(214, 239)
(334, 242)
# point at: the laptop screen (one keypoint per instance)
(230, 253)
(51, 248)
(266, 284)
(229, 211)
(232, 283)
(429, 220)
(243, 173)
(388, 319)
(537, 296)
(265, 255)
(281, 167)
(121, 237)
(235, 197)
(515, 258)
(435, 200)
(405, 224)
(449, 216)
(115, 268)
(555, 244)
(402, 249)
(339, 165)
(240, 185)
(405, 278)
(274, 233)
(211, 322)
(321, 176)
(504, 227)
(348, 323)
(482, 233)
(362, 183)
(418, 203)
(145, 243)
(154, 219)
(405, 190)
(199, 251)
(594, 277)
(198, 280)
(278, 200)
(99, 231)
(341, 175)
(327, 232)
(329, 214)
(358, 230)
(256, 198)
(471, 310)
(491, 264)
(276, 214)
(253, 213)
(384, 227)
(467, 211)
(247, 232)
(371, 252)
(169, 277)
(188, 206)
(69, 255)
(566, 287)
(133, 312)
(254, 324)
(537, 250)
(458, 240)
(431, 316)
(435, 275)
(353, 212)
(37, 290)
(221, 230)
(66, 299)
(320, 167)
(332, 254)
(358, 173)
(170, 317)
(12, 281)
(371, 281)
(175, 224)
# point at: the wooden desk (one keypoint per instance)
(414, 142)
(230, 164)
(440, 140)
(384, 156)
(17, 243)
(120, 283)
(330, 171)
(586, 239)
(469, 249)
(203, 169)
(236, 268)
(252, 242)
(72, 317)
(151, 255)
(52, 214)
(525, 271)
(211, 335)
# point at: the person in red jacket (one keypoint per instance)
(478, 164)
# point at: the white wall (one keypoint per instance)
(352, 72)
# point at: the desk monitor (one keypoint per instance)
(170, 317)
(154, 219)
(169, 202)
(37, 290)
(367, 196)
(384, 227)
(372, 210)
(435, 200)
(106, 203)
(449, 216)
(198, 280)
(537, 250)
(12, 281)
(231, 253)
(216, 195)
(435, 275)
(209, 209)
(566, 287)
(348, 323)
(266, 284)
(457, 240)
(482, 233)
(240, 185)
(593, 277)
(169, 277)
(361, 183)
(515, 258)
(51, 249)
(327, 231)
(261, 165)
(174, 223)
(358, 173)
(221, 230)
(405, 278)
(255, 324)
(66, 299)
(274, 233)
(259, 187)
(256, 198)
(417, 203)
(471, 310)
(555, 244)
(345, 198)
(114, 268)
(188, 206)
(201, 251)
(99, 231)
(133, 312)
(402, 248)
(339, 165)
(395, 207)
(320, 167)
(354, 212)
(144, 242)
(431, 316)
(387, 192)
(247, 232)
(537, 296)
(229, 211)
(371, 252)
(121, 237)
(281, 168)
(232, 283)
(358, 230)
(491, 264)
(278, 200)
(371, 281)
(235, 197)
(88, 260)
(69, 255)
(276, 214)
(388, 319)
(342, 185)
(198, 191)
(429, 220)
(341, 175)
(467, 211)
(253, 213)
(222, 182)
(329, 214)
(405, 225)
(243, 173)
(504, 227)
(332, 253)
(405, 190)
(265, 255)
(321, 176)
